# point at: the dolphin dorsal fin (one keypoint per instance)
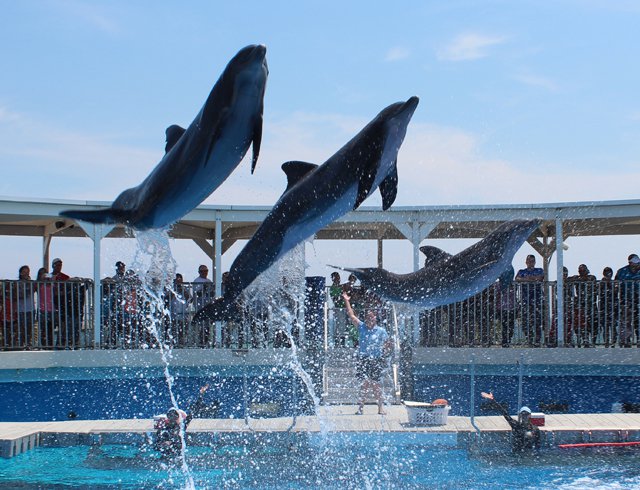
(296, 171)
(433, 254)
(389, 187)
(173, 134)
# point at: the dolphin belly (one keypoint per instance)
(317, 218)
(205, 175)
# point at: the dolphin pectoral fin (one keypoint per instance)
(99, 216)
(389, 187)
(433, 254)
(257, 141)
(296, 170)
(364, 186)
(506, 278)
(173, 134)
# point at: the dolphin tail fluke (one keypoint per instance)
(106, 216)
(221, 309)
(389, 187)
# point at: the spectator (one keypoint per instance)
(584, 286)
(629, 276)
(373, 344)
(506, 304)
(568, 312)
(179, 308)
(121, 269)
(203, 295)
(530, 280)
(8, 333)
(25, 310)
(339, 318)
(608, 306)
(56, 271)
(44, 288)
(233, 328)
(525, 435)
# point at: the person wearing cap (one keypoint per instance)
(168, 441)
(585, 314)
(524, 435)
(629, 277)
(56, 271)
(608, 306)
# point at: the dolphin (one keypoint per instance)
(446, 278)
(199, 159)
(317, 196)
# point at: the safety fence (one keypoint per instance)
(60, 315)
(595, 313)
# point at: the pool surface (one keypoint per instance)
(335, 461)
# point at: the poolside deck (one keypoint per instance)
(18, 437)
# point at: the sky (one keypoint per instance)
(520, 102)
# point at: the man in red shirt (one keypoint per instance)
(56, 271)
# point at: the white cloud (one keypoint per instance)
(397, 53)
(436, 165)
(91, 14)
(469, 46)
(537, 81)
(51, 161)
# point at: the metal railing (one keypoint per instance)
(45, 315)
(59, 315)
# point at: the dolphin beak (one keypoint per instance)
(410, 106)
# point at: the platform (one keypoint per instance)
(18, 437)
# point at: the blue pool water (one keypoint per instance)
(117, 393)
(337, 461)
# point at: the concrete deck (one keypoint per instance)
(18, 437)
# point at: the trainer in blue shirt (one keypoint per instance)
(373, 343)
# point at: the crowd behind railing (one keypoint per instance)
(56, 312)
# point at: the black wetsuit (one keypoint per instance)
(524, 436)
(168, 442)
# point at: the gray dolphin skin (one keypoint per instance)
(447, 279)
(199, 159)
(318, 195)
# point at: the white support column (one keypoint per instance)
(559, 284)
(96, 232)
(218, 271)
(416, 232)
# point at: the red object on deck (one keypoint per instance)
(537, 418)
(599, 444)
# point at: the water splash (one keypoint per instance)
(155, 265)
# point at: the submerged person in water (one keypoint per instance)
(524, 435)
(168, 441)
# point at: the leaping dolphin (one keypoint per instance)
(317, 196)
(446, 278)
(199, 159)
